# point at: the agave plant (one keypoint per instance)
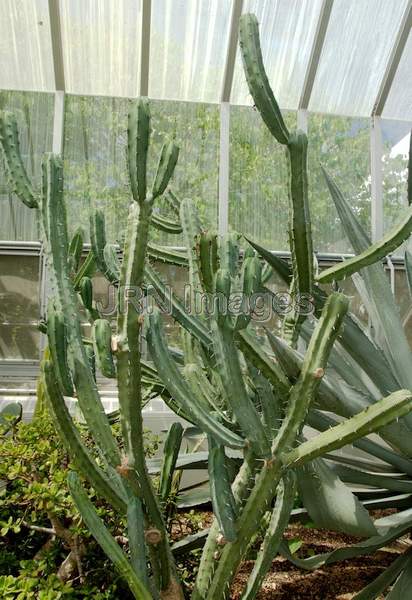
(251, 397)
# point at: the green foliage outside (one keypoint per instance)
(95, 129)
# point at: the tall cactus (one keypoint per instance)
(228, 383)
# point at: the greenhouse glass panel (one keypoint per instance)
(258, 192)
(395, 138)
(101, 46)
(398, 104)
(25, 46)
(341, 145)
(358, 42)
(287, 29)
(95, 159)
(19, 307)
(188, 49)
(34, 114)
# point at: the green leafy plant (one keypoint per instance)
(251, 407)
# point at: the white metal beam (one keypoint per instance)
(316, 52)
(145, 47)
(237, 6)
(376, 153)
(394, 60)
(223, 211)
(57, 46)
(302, 120)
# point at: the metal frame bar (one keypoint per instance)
(224, 144)
(376, 153)
(57, 45)
(237, 6)
(303, 119)
(145, 47)
(394, 60)
(318, 41)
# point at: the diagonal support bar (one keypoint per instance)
(316, 51)
(394, 60)
(237, 6)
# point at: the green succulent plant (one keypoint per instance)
(251, 396)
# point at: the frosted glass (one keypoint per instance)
(258, 186)
(34, 114)
(25, 46)
(101, 46)
(287, 29)
(399, 102)
(359, 38)
(188, 49)
(96, 129)
(341, 145)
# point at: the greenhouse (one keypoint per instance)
(206, 299)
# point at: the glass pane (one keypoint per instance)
(25, 46)
(358, 42)
(258, 192)
(398, 104)
(19, 307)
(188, 49)
(341, 145)
(34, 114)
(395, 137)
(101, 46)
(96, 127)
(287, 29)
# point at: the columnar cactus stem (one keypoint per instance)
(129, 324)
(17, 175)
(57, 250)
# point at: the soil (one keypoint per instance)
(340, 581)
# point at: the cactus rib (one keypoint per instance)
(16, 172)
(372, 418)
(167, 163)
(257, 80)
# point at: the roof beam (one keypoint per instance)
(237, 6)
(57, 45)
(145, 47)
(316, 51)
(394, 60)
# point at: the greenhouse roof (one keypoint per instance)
(348, 57)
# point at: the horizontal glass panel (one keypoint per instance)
(96, 129)
(359, 38)
(188, 49)
(399, 103)
(101, 46)
(287, 29)
(258, 188)
(34, 115)
(19, 307)
(26, 56)
(395, 138)
(341, 145)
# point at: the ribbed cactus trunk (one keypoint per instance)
(226, 382)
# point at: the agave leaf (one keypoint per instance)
(377, 295)
(402, 587)
(389, 528)
(330, 503)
